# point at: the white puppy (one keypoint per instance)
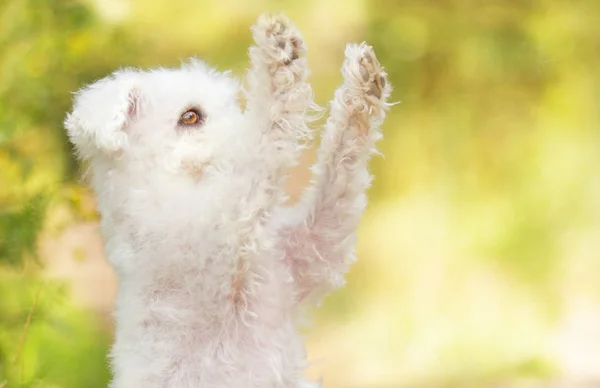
(211, 264)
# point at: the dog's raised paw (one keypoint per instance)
(364, 72)
(371, 72)
(278, 38)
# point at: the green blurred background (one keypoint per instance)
(480, 250)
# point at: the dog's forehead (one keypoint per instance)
(170, 83)
(178, 88)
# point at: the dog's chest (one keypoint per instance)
(244, 331)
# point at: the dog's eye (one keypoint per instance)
(191, 117)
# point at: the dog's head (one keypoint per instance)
(176, 120)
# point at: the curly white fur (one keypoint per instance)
(211, 264)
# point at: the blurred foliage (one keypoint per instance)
(47, 50)
(498, 90)
(61, 347)
(484, 221)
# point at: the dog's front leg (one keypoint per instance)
(278, 101)
(277, 111)
(318, 235)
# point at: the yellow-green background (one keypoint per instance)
(479, 254)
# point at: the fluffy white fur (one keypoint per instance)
(211, 264)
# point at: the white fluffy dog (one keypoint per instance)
(211, 264)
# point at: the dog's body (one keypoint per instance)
(211, 264)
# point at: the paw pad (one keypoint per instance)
(371, 71)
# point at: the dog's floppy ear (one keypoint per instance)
(100, 113)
